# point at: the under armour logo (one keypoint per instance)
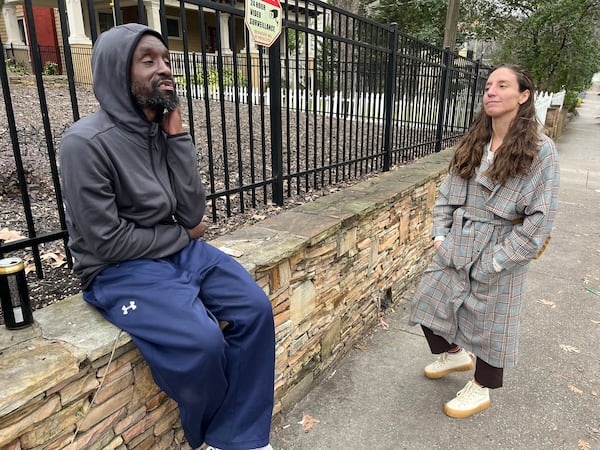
(132, 306)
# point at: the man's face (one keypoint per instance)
(152, 83)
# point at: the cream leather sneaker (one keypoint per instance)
(449, 362)
(469, 400)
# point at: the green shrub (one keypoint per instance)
(571, 100)
(15, 67)
(50, 68)
(213, 77)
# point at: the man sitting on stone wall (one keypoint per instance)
(134, 204)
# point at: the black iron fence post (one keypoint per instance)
(142, 12)
(62, 13)
(162, 11)
(92, 14)
(275, 119)
(390, 82)
(37, 64)
(186, 74)
(474, 94)
(442, 102)
(12, 128)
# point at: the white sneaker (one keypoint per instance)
(469, 400)
(449, 362)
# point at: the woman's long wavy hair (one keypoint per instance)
(519, 147)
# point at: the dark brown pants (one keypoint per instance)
(486, 375)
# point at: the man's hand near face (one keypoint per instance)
(172, 123)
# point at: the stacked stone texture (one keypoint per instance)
(129, 411)
(330, 268)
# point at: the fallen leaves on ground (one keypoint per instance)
(547, 303)
(56, 259)
(569, 348)
(589, 279)
(583, 445)
(7, 235)
(383, 324)
(575, 389)
(361, 347)
(307, 422)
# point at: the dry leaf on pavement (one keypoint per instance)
(583, 445)
(383, 324)
(569, 348)
(575, 389)
(307, 422)
(547, 303)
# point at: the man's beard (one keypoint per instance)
(154, 99)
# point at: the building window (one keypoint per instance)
(105, 21)
(22, 33)
(173, 27)
(212, 40)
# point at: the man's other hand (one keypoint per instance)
(198, 231)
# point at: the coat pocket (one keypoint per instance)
(482, 269)
(443, 254)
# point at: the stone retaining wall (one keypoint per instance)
(330, 268)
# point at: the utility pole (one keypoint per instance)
(451, 23)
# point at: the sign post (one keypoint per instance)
(263, 19)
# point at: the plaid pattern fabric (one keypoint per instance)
(460, 296)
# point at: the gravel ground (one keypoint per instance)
(58, 282)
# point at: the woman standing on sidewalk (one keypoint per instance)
(493, 214)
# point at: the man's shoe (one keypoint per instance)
(469, 400)
(449, 362)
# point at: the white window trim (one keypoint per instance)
(25, 37)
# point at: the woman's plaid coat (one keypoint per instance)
(461, 297)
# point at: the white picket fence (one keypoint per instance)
(545, 100)
(365, 106)
(359, 106)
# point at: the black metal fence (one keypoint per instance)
(335, 97)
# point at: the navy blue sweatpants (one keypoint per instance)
(221, 380)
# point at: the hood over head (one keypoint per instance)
(111, 62)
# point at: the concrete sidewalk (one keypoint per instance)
(377, 398)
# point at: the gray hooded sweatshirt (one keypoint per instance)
(130, 190)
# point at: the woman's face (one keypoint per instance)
(502, 97)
